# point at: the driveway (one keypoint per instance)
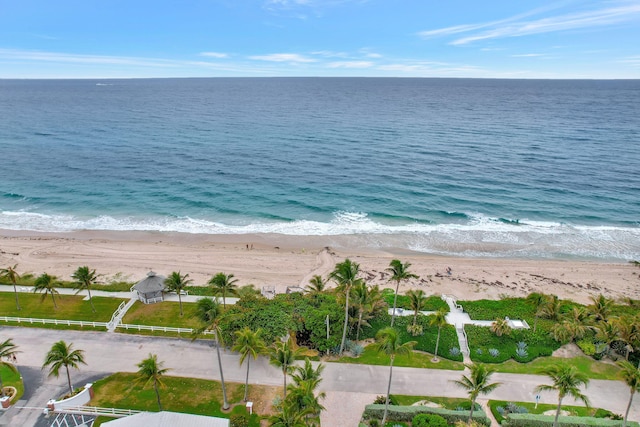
(112, 352)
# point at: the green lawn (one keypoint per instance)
(12, 379)
(591, 368)
(162, 314)
(70, 307)
(446, 402)
(417, 360)
(187, 395)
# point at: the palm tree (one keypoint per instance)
(176, 283)
(61, 355)
(283, 355)
(573, 325)
(45, 283)
(399, 272)
(500, 327)
(367, 300)
(316, 285)
(8, 350)
(631, 375)
(628, 332)
(476, 383)
(151, 370)
(12, 276)
(600, 307)
(302, 393)
(85, 278)
(417, 299)
(388, 342)
(607, 332)
(209, 312)
(551, 308)
(289, 416)
(566, 381)
(345, 275)
(439, 319)
(223, 284)
(248, 343)
(537, 301)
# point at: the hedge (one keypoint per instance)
(406, 413)
(537, 420)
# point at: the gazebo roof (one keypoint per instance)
(152, 283)
(168, 419)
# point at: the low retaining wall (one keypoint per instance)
(79, 399)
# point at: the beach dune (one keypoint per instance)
(281, 261)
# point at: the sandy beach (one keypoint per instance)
(281, 261)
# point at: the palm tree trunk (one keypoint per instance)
(626, 414)
(415, 317)
(54, 300)
(437, 342)
(246, 382)
(386, 402)
(395, 300)
(180, 301)
(555, 421)
(473, 403)
(155, 386)
(224, 299)
(225, 403)
(69, 380)
(284, 372)
(91, 300)
(359, 323)
(15, 291)
(346, 320)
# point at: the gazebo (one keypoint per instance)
(150, 290)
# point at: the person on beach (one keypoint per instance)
(449, 271)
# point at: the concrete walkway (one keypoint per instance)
(121, 352)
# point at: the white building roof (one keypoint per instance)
(167, 419)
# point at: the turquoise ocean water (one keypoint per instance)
(499, 168)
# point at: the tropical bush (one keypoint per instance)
(428, 420)
(535, 420)
(406, 413)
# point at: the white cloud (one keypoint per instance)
(35, 55)
(631, 60)
(350, 64)
(283, 57)
(527, 55)
(515, 26)
(214, 54)
(330, 54)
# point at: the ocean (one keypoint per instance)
(466, 167)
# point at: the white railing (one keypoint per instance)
(116, 313)
(95, 410)
(160, 329)
(152, 300)
(466, 341)
(53, 321)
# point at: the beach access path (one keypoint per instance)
(348, 386)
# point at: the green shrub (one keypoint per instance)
(428, 420)
(239, 420)
(406, 413)
(587, 346)
(536, 420)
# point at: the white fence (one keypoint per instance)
(160, 329)
(53, 322)
(95, 410)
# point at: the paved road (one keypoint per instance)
(120, 352)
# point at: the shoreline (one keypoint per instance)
(285, 260)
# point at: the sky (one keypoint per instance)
(566, 39)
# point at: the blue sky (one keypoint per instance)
(394, 38)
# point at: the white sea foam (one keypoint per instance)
(479, 236)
